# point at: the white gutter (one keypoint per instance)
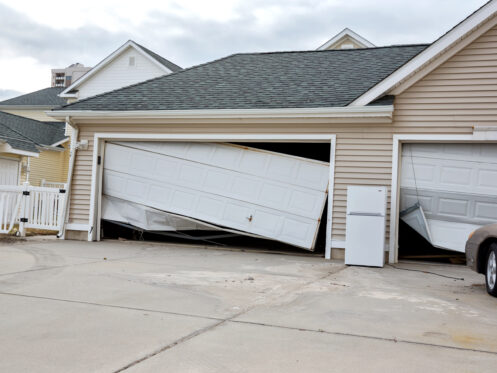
(329, 112)
(72, 158)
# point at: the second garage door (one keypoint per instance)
(456, 185)
(272, 195)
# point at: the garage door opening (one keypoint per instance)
(446, 192)
(282, 187)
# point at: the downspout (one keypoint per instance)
(72, 158)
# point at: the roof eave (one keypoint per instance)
(5, 147)
(385, 111)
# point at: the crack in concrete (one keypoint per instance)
(231, 319)
(69, 265)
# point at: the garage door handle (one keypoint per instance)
(249, 218)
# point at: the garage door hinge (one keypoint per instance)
(99, 159)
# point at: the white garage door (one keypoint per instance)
(9, 171)
(456, 185)
(268, 194)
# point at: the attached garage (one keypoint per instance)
(376, 106)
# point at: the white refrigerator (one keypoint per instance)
(365, 229)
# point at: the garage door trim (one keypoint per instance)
(487, 136)
(99, 154)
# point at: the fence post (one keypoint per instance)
(24, 209)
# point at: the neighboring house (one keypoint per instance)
(383, 111)
(65, 77)
(129, 64)
(31, 150)
(346, 39)
(33, 105)
(44, 163)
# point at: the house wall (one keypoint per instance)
(50, 165)
(119, 74)
(457, 95)
(37, 114)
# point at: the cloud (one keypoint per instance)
(5, 94)
(188, 34)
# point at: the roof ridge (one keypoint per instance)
(336, 50)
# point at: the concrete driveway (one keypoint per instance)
(115, 306)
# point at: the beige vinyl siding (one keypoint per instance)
(50, 165)
(450, 100)
(460, 93)
(363, 155)
(37, 114)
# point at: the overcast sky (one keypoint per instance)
(36, 36)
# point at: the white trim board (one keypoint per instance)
(384, 111)
(107, 60)
(100, 138)
(454, 36)
(351, 34)
(76, 227)
(398, 140)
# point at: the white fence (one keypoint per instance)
(30, 207)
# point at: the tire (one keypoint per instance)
(491, 270)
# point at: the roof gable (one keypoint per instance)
(345, 37)
(311, 79)
(46, 98)
(162, 64)
(437, 53)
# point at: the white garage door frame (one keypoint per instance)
(480, 135)
(99, 151)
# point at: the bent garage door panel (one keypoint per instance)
(456, 185)
(269, 194)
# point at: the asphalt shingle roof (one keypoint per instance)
(43, 97)
(24, 133)
(307, 79)
(171, 66)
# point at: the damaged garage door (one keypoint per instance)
(448, 190)
(271, 195)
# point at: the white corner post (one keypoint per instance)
(331, 190)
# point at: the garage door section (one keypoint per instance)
(9, 171)
(456, 186)
(263, 193)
